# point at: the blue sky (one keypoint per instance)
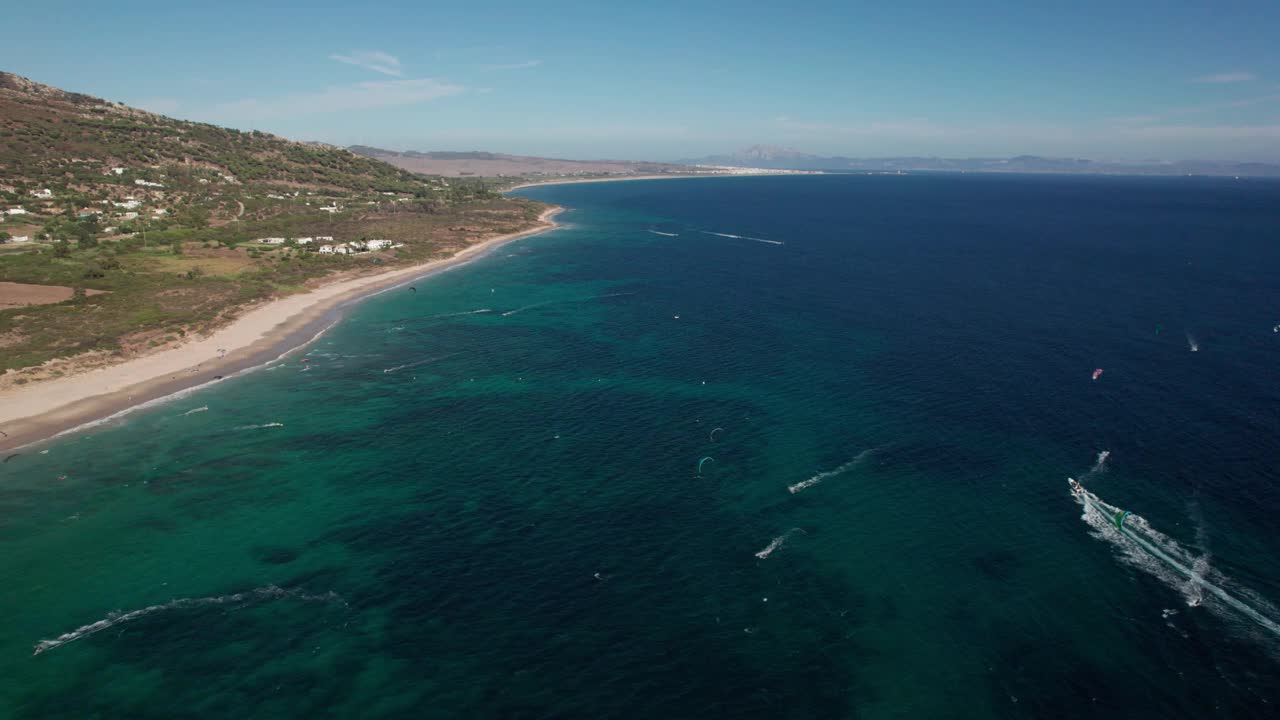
(664, 80)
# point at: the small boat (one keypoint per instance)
(1076, 488)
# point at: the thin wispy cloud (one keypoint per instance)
(1212, 132)
(375, 60)
(1225, 78)
(1202, 108)
(361, 96)
(512, 66)
(898, 128)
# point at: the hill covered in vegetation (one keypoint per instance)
(155, 228)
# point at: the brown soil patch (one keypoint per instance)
(19, 294)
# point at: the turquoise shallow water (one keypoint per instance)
(482, 499)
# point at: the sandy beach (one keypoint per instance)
(264, 332)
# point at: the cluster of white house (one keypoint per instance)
(357, 246)
(300, 241)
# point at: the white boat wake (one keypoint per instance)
(406, 366)
(665, 234)
(480, 311)
(565, 302)
(1099, 466)
(259, 427)
(1143, 547)
(805, 484)
(777, 543)
(195, 410)
(743, 237)
(270, 592)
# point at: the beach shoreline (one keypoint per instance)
(264, 333)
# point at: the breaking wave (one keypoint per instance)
(193, 411)
(270, 592)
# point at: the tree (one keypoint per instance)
(5, 237)
(61, 248)
(85, 235)
(194, 216)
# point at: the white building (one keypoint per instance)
(16, 211)
(129, 216)
(20, 238)
(117, 170)
(159, 211)
(147, 183)
(377, 244)
(128, 204)
(331, 208)
(44, 194)
(271, 240)
(305, 240)
(324, 238)
(343, 249)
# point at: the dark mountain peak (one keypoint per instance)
(770, 152)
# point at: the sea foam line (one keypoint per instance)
(193, 411)
(743, 237)
(259, 427)
(269, 592)
(666, 234)
(805, 484)
(179, 394)
(777, 543)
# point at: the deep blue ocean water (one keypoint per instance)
(483, 498)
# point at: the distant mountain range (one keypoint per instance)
(778, 158)
(496, 164)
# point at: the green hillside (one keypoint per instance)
(180, 223)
